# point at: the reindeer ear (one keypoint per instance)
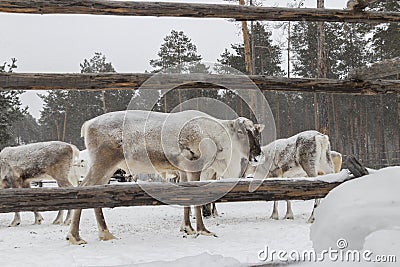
(259, 127)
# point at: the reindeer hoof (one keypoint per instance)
(188, 230)
(288, 217)
(75, 240)
(311, 220)
(206, 233)
(274, 217)
(14, 224)
(39, 222)
(106, 235)
(57, 222)
(67, 222)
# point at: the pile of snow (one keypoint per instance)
(364, 213)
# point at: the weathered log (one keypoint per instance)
(359, 5)
(356, 167)
(125, 81)
(381, 69)
(193, 10)
(43, 199)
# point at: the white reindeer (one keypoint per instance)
(305, 154)
(21, 165)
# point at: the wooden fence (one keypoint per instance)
(40, 199)
(132, 81)
(45, 199)
(194, 10)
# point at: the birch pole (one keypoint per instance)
(322, 103)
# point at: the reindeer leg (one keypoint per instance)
(214, 210)
(63, 183)
(289, 212)
(59, 218)
(73, 235)
(68, 219)
(99, 173)
(38, 218)
(206, 208)
(104, 233)
(312, 218)
(275, 214)
(16, 221)
(201, 229)
(186, 225)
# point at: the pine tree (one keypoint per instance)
(385, 45)
(177, 54)
(304, 48)
(53, 114)
(349, 47)
(233, 60)
(97, 64)
(65, 111)
(26, 130)
(266, 54)
(85, 105)
(112, 100)
(10, 108)
(267, 61)
(346, 48)
(386, 37)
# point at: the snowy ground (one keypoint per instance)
(363, 213)
(151, 234)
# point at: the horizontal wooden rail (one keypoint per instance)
(381, 69)
(44, 199)
(126, 81)
(193, 10)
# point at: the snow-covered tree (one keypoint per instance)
(10, 108)
(177, 54)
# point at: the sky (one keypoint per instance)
(59, 43)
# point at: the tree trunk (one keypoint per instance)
(247, 53)
(65, 118)
(316, 122)
(165, 103)
(278, 116)
(180, 99)
(288, 51)
(336, 123)
(384, 154)
(322, 103)
(253, 48)
(367, 141)
(58, 131)
(398, 107)
(103, 99)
